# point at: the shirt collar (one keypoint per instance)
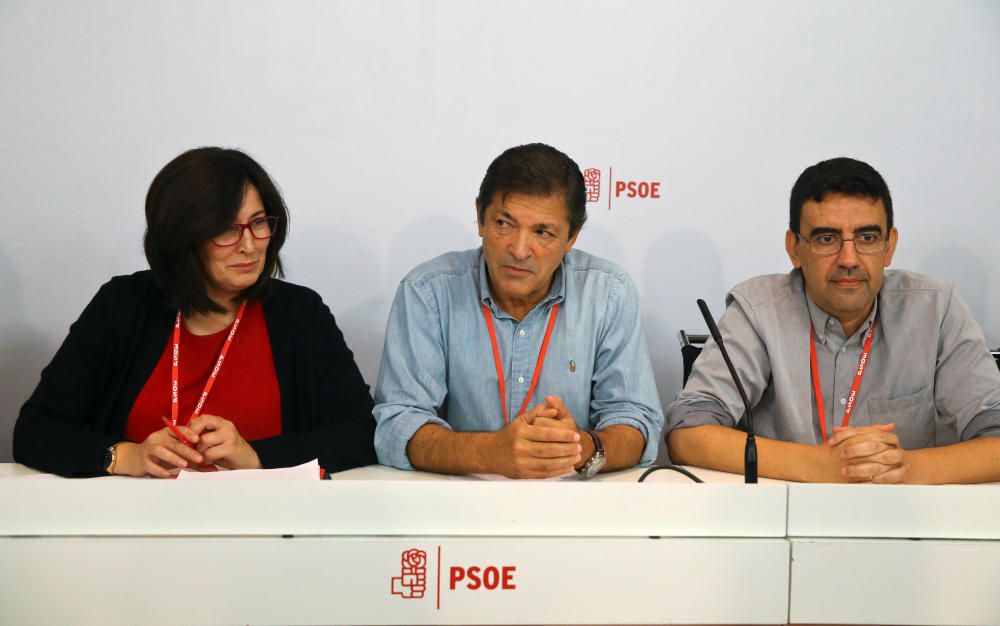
(823, 322)
(557, 292)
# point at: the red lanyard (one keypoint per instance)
(175, 369)
(538, 365)
(862, 363)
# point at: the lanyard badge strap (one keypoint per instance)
(538, 365)
(175, 367)
(818, 389)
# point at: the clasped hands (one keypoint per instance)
(542, 442)
(216, 441)
(867, 454)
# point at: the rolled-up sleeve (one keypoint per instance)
(624, 390)
(967, 385)
(411, 387)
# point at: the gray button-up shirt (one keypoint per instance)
(438, 367)
(929, 370)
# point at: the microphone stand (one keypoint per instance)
(750, 450)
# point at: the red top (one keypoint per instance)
(245, 393)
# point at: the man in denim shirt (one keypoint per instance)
(855, 373)
(524, 357)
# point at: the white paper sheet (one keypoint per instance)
(306, 471)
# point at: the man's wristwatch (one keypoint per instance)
(596, 462)
(110, 458)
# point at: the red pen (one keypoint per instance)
(204, 467)
(177, 432)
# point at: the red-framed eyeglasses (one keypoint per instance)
(260, 228)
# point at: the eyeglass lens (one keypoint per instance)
(260, 228)
(864, 243)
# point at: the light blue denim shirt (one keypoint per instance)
(438, 368)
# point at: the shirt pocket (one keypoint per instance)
(914, 415)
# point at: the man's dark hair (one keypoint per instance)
(535, 169)
(841, 175)
(194, 198)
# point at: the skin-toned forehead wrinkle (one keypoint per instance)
(827, 230)
(553, 226)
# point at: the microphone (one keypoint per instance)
(750, 451)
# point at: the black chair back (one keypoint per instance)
(691, 346)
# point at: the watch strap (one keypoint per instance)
(110, 458)
(596, 461)
(598, 444)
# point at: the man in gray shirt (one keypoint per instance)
(908, 389)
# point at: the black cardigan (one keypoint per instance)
(85, 394)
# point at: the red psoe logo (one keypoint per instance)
(623, 189)
(637, 189)
(412, 581)
(592, 182)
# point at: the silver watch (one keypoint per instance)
(595, 462)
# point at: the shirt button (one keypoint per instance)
(843, 401)
(844, 349)
(521, 332)
(520, 379)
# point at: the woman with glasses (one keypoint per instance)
(206, 360)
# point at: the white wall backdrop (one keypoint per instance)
(378, 119)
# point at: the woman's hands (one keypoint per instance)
(215, 439)
(221, 443)
(160, 453)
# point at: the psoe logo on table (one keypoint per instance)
(413, 583)
(412, 580)
(622, 188)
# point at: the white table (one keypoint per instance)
(905, 554)
(114, 550)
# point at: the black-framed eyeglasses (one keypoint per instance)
(260, 228)
(828, 244)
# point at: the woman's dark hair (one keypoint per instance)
(194, 198)
(843, 175)
(536, 169)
